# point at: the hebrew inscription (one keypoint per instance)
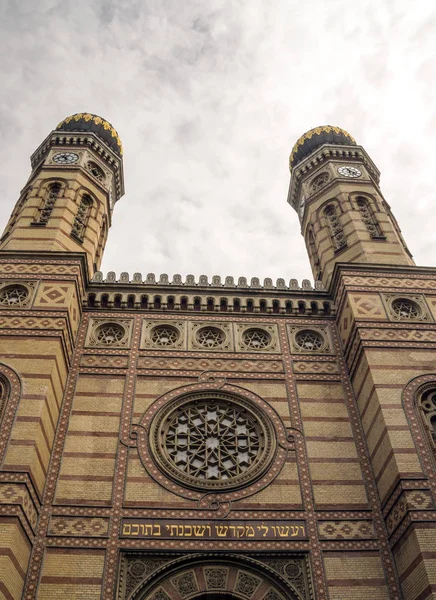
(150, 528)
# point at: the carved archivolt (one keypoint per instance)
(212, 575)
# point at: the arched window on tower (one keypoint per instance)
(81, 218)
(101, 242)
(427, 407)
(15, 214)
(335, 226)
(368, 217)
(5, 389)
(313, 254)
(53, 192)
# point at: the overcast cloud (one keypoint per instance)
(208, 97)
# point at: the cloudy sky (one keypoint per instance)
(209, 97)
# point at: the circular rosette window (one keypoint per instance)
(212, 441)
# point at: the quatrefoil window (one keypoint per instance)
(405, 309)
(164, 335)
(14, 295)
(309, 341)
(110, 334)
(212, 441)
(210, 337)
(256, 339)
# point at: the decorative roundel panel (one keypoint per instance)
(212, 441)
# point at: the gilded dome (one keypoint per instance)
(315, 138)
(94, 123)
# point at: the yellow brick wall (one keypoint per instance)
(73, 574)
(42, 368)
(333, 458)
(88, 462)
(356, 576)
(415, 556)
(14, 558)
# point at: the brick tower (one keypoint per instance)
(191, 439)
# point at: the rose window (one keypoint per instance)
(110, 334)
(210, 337)
(309, 340)
(320, 181)
(212, 441)
(14, 295)
(164, 335)
(405, 309)
(95, 171)
(256, 339)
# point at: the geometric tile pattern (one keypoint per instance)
(13, 493)
(408, 500)
(206, 364)
(346, 530)
(78, 526)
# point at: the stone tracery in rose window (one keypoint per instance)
(404, 309)
(210, 337)
(164, 335)
(110, 334)
(14, 295)
(319, 181)
(309, 341)
(212, 440)
(256, 339)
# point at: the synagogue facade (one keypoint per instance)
(175, 438)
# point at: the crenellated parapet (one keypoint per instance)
(203, 281)
(189, 294)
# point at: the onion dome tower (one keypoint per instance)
(67, 203)
(344, 218)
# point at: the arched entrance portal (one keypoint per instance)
(217, 577)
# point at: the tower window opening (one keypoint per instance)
(197, 303)
(170, 302)
(223, 304)
(104, 301)
(262, 306)
(335, 226)
(131, 301)
(236, 305)
(49, 203)
(210, 304)
(250, 307)
(368, 217)
(81, 218)
(183, 303)
(157, 303)
(276, 306)
(288, 307)
(144, 302)
(91, 301)
(117, 301)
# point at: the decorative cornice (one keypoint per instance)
(203, 281)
